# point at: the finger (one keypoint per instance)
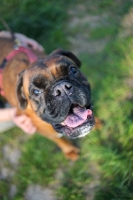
(28, 126)
(38, 47)
(35, 45)
(23, 122)
(26, 121)
(31, 130)
(20, 119)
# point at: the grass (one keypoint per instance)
(109, 149)
(39, 163)
(38, 20)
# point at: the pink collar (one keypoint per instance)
(30, 54)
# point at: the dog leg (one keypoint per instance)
(98, 124)
(70, 151)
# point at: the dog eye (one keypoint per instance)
(36, 92)
(73, 70)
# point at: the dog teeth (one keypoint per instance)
(63, 123)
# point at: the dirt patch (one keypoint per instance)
(81, 24)
(37, 192)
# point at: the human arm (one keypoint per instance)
(22, 121)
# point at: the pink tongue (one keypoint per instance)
(78, 116)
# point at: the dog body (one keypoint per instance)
(52, 91)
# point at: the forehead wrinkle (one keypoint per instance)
(40, 68)
(51, 67)
(46, 71)
(51, 61)
(58, 67)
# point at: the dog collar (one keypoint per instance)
(31, 57)
(1, 88)
(30, 54)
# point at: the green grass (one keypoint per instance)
(39, 163)
(40, 20)
(103, 32)
(109, 149)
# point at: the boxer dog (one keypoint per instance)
(52, 91)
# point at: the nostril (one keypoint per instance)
(68, 86)
(62, 89)
(57, 93)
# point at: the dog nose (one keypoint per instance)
(63, 88)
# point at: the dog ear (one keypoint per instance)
(68, 54)
(20, 93)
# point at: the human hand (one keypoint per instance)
(24, 40)
(22, 121)
(29, 42)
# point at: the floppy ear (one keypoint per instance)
(20, 93)
(68, 54)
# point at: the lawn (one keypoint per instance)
(100, 33)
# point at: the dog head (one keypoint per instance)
(58, 93)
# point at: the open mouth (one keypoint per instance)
(78, 122)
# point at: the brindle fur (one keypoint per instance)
(13, 76)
